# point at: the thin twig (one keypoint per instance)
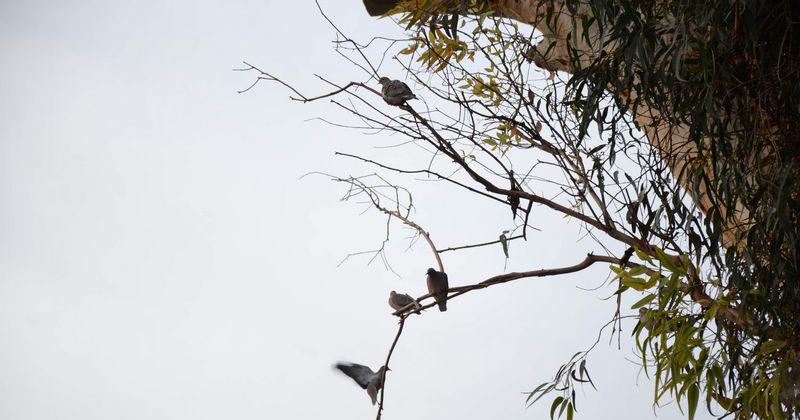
(456, 248)
(388, 357)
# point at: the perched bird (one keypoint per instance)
(364, 377)
(395, 92)
(513, 200)
(379, 7)
(437, 286)
(399, 301)
(646, 319)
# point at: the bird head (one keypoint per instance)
(384, 80)
(431, 271)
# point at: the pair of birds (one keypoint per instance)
(437, 287)
(372, 381)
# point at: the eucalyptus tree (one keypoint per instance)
(673, 126)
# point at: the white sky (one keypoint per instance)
(161, 259)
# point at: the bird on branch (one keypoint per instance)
(395, 92)
(438, 287)
(399, 301)
(364, 377)
(513, 200)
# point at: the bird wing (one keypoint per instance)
(359, 373)
(437, 282)
(403, 299)
(398, 89)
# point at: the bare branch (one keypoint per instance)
(505, 278)
(389, 357)
(456, 248)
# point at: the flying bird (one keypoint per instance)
(395, 92)
(437, 286)
(399, 301)
(364, 377)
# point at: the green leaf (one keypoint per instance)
(642, 255)
(504, 243)
(643, 301)
(692, 397)
(553, 407)
(536, 390)
(570, 411)
(770, 346)
(665, 260)
(634, 283)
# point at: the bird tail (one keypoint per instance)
(442, 305)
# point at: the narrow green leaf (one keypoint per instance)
(770, 346)
(553, 407)
(504, 243)
(692, 398)
(643, 301)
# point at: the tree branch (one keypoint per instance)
(388, 357)
(504, 278)
(456, 248)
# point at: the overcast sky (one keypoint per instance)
(161, 259)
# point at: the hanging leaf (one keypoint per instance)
(504, 242)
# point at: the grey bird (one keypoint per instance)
(646, 319)
(395, 92)
(399, 301)
(437, 286)
(364, 377)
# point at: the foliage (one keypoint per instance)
(709, 219)
(730, 72)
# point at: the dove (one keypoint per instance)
(399, 301)
(364, 377)
(437, 287)
(395, 92)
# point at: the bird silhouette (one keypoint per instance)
(513, 200)
(395, 92)
(437, 287)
